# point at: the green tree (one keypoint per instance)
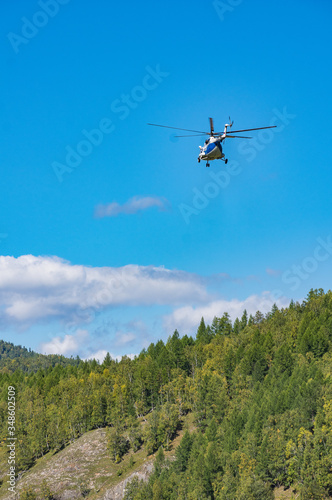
(117, 444)
(151, 439)
(45, 491)
(244, 319)
(203, 336)
(107, 361)
(168, 423)
(159, 462)
(134, 433)
(133, 488)
(236, 326)
(182, 452)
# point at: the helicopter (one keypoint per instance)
(212, 149)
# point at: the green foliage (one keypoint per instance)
(27, 494)
(203, 335)
(45, 492)
(168, 424)
(222, 326)
(132, 488)
(244, 319)
(117, 444)
(134, 433)
(182, 452)
(253, 488)
(159, 462)
(313, 491)
(131, 462)
(19, 359)
(161, 427)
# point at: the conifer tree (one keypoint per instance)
(244, 319)
(202, 334)
(182, 452)
(236, 326)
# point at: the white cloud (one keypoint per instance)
(68, 345)
(43, 289)
(33, 289)
(100, 356)
(186, 319)
(81, 343)
(272, 272)
(132, 206)
(123, 338)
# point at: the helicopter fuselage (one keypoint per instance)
(212, 150)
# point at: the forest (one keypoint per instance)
(13, 357)
(259, 391)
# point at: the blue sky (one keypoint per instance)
(111, 233)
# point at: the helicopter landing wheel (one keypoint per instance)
(198, 159)
(226, 161)
(207, 164)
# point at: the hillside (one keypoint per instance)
(85, 465)
(259, 392)
(14, 358)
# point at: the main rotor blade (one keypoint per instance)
(177, 128)
(249, 129)
(211, 126)
(191, 135)
(238, 137)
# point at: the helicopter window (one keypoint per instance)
(206, 141)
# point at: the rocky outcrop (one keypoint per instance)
(117, 492)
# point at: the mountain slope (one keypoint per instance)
(14, 357)
(85, 465)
